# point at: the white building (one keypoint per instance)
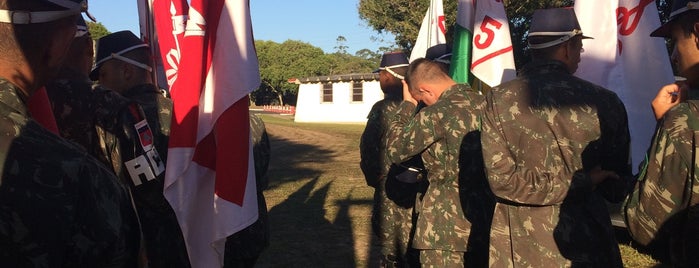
(336, 98)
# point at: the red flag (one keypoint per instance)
(40, 109)
(210, 179)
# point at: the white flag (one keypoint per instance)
(623, 58)
(482, 43)
(210, 178)
(432, 31)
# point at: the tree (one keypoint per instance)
(341, 45)
(403, 19)
(97, 30)
(280, 62)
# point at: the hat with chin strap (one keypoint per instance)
(561, 24)
(679, 7)
(114, 46)
(392, 60)
(63, 8)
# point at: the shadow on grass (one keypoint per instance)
(313, 217)
(301, 236)
(288, 157)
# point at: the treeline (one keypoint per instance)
(297, 59)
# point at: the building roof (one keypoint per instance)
(335, 78)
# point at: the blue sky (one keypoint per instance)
(317, 22)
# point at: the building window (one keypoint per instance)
(328, 92)
(357, 92)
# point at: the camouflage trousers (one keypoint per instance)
(441, 258)
(393, 225)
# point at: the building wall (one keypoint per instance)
(310, 108)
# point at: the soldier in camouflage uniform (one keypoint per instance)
(137, 142)
(244, 247)
(555, 147)
(437, 133)
(662, 212)
(70, 94)
(391, 223)
(59, 207)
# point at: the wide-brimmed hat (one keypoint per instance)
(114, 46)
(63, 8)
(439, 53)
(678, 7)
(392, 60)
(558, 23)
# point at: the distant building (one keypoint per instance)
(336, 98)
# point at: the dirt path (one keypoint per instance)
(319, 205)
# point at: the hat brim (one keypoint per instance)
(662, 31)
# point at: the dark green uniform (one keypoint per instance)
(542, 132)
(391, 223)
(142, 148)
(74, 110)
(437, 133)
(58, 206)
(662, 212)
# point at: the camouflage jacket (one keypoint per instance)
(59, 207)
(74, 110)
(137, 141)
(372, 146)
(542, 132)
(436, 132)
(662, 209)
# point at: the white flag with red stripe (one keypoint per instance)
(482, 43)
(432, 31)
(210, 179)
(623, 58)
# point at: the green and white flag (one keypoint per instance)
(482, 44)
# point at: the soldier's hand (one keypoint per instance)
(406, 93)
(668, 96)
(598, 175)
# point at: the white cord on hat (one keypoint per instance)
(690, 6)
(565, 37)
(394, 73)
(29, 17)
(133, 62)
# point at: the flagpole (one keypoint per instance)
(148, 35)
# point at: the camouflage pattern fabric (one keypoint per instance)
(59, 207)
(140, 136)
(244, 247)
(662, 212)
(391, 223)
(542, 133)
(442, 259)
(437, 133)
(73, 108)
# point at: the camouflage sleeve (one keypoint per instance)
(662, 182)
(517, 183)
(409, 135)
(261, 150)
(370, 148)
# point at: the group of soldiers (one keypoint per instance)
(90, 193)
(521, 176)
